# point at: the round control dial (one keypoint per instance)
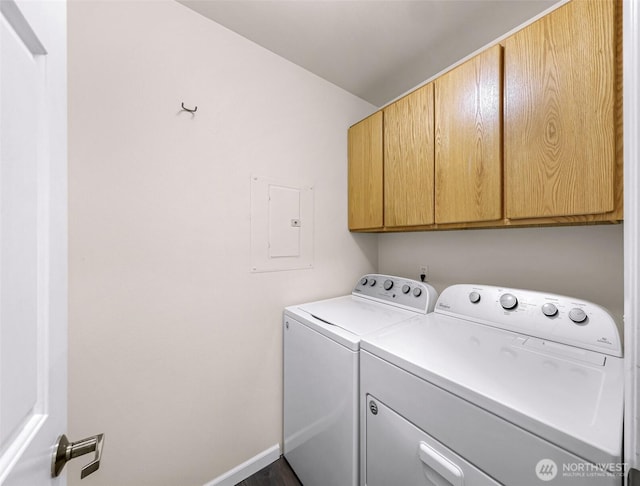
(363, 281)
(417, 292)
(474, 297)
(405, 289)
(388, 284)
(577, 315)
(549, 309)
(508, 301)
(372, 282)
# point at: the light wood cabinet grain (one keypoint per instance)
(468, 141)
(408, 159)
(560, 127)
(365, 159)
(561, 135)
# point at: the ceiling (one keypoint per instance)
(376, 50)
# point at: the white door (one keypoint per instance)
(631, 63)
(33, 239)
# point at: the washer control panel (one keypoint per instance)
(557, 318)
(401, 292)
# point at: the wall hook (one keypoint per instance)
(187, 109)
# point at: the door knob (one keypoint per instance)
(65, 451)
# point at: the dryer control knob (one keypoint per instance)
(508, 301)
(372, 282)
(474, 297)
(405, 289)
(363, 281)
(577, 315)
(549, 309)
(388, 284)
(417, 292)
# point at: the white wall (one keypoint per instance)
(175, 347)
(580, 261)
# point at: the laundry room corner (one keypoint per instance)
(173, 339)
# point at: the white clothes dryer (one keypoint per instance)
(496, 386)
(321, 369)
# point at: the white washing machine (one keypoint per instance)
(321, 366)
(496, 386)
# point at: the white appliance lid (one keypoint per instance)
(356, 315)
(574, 400)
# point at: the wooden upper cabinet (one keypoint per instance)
(408, 160)
(468, 141)
(560, 143)
(365, 173)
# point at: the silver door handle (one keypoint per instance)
(65, 451)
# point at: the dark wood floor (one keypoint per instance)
(278, 473)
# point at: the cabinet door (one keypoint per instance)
(468, 150)
(408, 160)
(365, 173)
(559, 113)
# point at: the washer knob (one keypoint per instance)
(405, 289)
(474, 297)
(372, 282)
(508, 301)
(363, 281)
(388, 284)
(417, 292)
(577, 315)
(549, 309)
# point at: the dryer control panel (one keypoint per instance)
(556, 318)
(401, 292)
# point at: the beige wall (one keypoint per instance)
(581, 261)
(175, 347)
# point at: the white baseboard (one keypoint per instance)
(247, 468)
